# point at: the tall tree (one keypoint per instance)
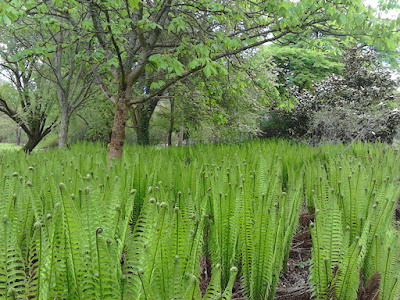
(301, 66)
(139, 40)
(55, 38)
(181, 38)
(31, 105)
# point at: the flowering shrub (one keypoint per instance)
(355, 105)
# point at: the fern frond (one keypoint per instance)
(346, 281)
(214, 288)
(227, 295)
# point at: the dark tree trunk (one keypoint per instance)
(118, 129)
(142, 131)
(36, 131)
(33, 141)
(181, 130)
(143, 114)
(171, 123)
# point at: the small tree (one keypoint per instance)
(30, 104)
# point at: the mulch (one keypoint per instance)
(294, 281)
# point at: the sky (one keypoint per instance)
(391, 15)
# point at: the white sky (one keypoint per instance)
(393, 14)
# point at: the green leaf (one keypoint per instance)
(134, 3)
(113, 62)
(157, 84)
(194, 63)
(209, 70)
(7, 20)
(155, 58)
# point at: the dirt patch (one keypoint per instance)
(294, 282)
(397, 211)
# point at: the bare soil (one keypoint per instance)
(294, 284)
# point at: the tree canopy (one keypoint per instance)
(136, 51)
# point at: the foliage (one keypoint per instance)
(136, 51)
(92, 122)
(53, 42)
(224, 109)
(28, 98)
(355, 105)
(359, 100)
(354, 206)
(301, 67)
(141, 229)
(7, 133)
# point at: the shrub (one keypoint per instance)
(355, 105)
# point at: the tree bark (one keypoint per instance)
(18, 135)
(181, 130)
(142, 131)
(143, 114)
(64, 126)
(33, 141)
(118, 129)
(171, 122)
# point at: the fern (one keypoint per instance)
(353, 209)
(267, 235)
(72, 230)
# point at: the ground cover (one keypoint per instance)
(258, 220)
(8, 146)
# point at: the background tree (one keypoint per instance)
(219, 108)
(93, 121)
(356, 105)
(301, 67)
(299, 64)
(138, 50)
(31, 104)
(55, 38)
(182, 39)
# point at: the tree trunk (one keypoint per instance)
(33, 141)
(118, 129)
(35, 132)
(142, 131)
(181, 130)
(171, 123)
(143, 114)
(18, 136)
(64, 125)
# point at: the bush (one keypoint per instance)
(345, 125)
(355, 105)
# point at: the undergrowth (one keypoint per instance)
(74, 228)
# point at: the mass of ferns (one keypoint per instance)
(74, 227)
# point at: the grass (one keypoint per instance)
(8, 146)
